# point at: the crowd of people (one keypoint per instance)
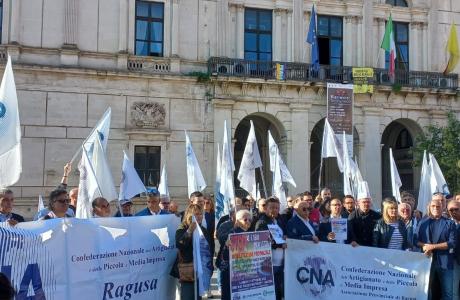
(397, 226)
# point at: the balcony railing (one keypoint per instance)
(222, 66)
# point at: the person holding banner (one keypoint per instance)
(437, 238)
(242, 224)
(184, 243)
(272, 222)
(390, 231)
(336, 229)
(363, 219)
(58, 205)
(300, 227)
(126, 205)
(405, 213)
(6, 208)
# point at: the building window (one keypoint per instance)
(147, 161)
(258, 34)
(401, 31)
(330, 43)
(402, 3)
(149, 28)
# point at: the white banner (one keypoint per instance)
(334, 271)
(110, 258)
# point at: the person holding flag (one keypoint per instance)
(189, 283)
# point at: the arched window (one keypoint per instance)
(402, 3)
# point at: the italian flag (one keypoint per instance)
(388, 44)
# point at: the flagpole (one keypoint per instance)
(319, 177)
(263, 181)
(195, 285)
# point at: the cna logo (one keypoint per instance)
(317, 277)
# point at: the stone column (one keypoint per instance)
(414, 50)
(15, 14)
(359, 41)
(372, 161)
(290, 40)
(425, 46)
(299, 157)
(123, 25)
(306, 52)
(239, 43)
(276, 41)
(381, 24)
(347, 42)
(70, 23)
(298, 34)
(222, 13)
(175, 28)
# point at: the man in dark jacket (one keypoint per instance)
(272, 218)
(437, 238)
(453, 208)
(6, 208)
(325, 227)
(153, 204)
(362, 221)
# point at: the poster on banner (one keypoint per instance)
(339, 228)
(100, 258)
(277, 233)
(330, 271)
(251, 270)
(340, 111)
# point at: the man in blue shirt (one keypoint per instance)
(153, 204)
(437, 238)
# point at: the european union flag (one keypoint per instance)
(312, 39)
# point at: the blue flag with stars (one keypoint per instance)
(313, 40)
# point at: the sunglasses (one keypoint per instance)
(63, 201)
(453, 209)
(305, 209)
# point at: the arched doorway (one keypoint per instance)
(330, 174)
(400, 135)
(262, 123)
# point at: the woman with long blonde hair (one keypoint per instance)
(390, 231)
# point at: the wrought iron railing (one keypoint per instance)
(222, 66)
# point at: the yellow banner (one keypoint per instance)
(361, 78)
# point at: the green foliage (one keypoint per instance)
(201, 77)
(444, 144)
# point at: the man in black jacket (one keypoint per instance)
(362, 221)
(6, 208)
(453, 209)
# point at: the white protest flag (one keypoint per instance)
(101, 130)
(87, 187)
(438, 183)
(348, 168)
(195, 179)
(219, 198)
(202, 260)
(395, 179)
(10, 130)
(163, 186)
(357, 178)
(330, 145)
(41, 204)
(424, 192)
(250, 161)
(102, 171)
(278, 189)
(226, 172)
(276, 155)
(131, 185)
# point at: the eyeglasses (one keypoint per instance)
(453, 209)
(337, 204)
(63, 201)
(305, 209)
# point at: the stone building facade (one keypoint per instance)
(74, 58)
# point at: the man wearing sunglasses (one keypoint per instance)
(300, 227)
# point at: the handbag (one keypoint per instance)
(186, 270)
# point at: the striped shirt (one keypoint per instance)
(396, 241)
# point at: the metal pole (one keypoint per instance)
(263, 181)
(319, 177)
